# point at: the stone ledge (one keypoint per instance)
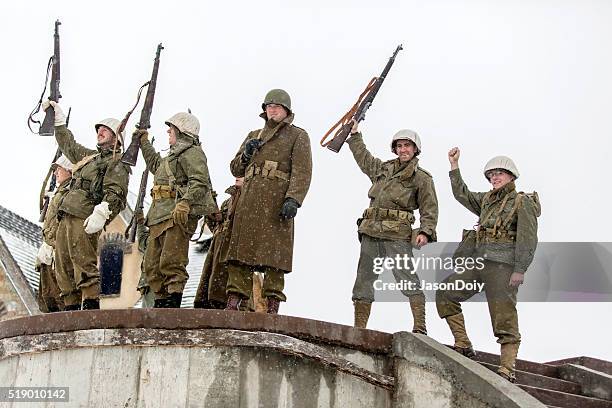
(175, 319)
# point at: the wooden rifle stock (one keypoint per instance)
(48, 126)
(131, 153)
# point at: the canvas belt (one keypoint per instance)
(496, 235)
(162, 191)
(386, 214)
(269, 170)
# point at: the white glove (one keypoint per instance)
(60, 118)
(45, 254)
(96, 221)
(49, 194)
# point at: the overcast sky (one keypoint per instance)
(528, 79)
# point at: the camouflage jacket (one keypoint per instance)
(397, 191)
(98, 175)
(185, 172)
(50, 223)
(507, 222)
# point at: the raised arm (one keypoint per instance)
(370, 165)
(70, 148)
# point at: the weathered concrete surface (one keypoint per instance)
(172, 368)
(184, 358)
(432, 375)
(594, 383)
(306, 329)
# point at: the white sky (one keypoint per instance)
(527, 79)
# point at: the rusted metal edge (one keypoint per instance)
(14, 346)
(315, 331)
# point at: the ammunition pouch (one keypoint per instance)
(162, 191)
(498, 236)
(386, 214)
(269, 171)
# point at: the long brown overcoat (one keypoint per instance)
(280, 168)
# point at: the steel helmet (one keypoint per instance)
(279, 97)
(501, 162)
(113, 124)
(406, 134)
(63, 162)
(186, 123)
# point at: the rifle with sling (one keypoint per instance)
(359, 109)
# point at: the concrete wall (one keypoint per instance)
(184, 358)
(429, 374)
(116, 368)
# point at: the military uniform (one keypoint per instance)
(506, 240)
(180, 177)
(385, 230)
(49, 299)
(211, 293)
(280, 170)
(98, 176)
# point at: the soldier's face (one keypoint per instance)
(106, 137)
(276, 112)
(171, 135)
(61, 174)
(405, 150)
(499, 178)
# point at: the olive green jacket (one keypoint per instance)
(51, 222)
(508, 231)
(398, 190)
(98, 175)
(187, 164)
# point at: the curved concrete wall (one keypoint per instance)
(195, 358)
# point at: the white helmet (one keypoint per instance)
(406, 134)
(501, 162)
(113, 124)
(186, 123)
(63, 162)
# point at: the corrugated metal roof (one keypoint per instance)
(22, 239)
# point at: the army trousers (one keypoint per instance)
(374, 251)
(76, 261)
(166, 257)
(501, 298)
(48, 292)
(240, 280)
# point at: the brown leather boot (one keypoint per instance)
(273, 305)
(233, 301)
(463, 345)
(417, 305)
(507, 360)
(362, 313)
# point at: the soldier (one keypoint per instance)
(97, 194)
(399, 187)
(213, 281)
(182, 193)
(48, 291)
(276, 164)
(506, 241)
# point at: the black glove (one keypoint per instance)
(250, 148)
(289, 209)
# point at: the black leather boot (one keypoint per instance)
(174, 301)
(68, 308)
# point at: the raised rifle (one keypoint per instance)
(358, 110)
(139, 207)
(131, 154)
(47, 128)
(44, 199)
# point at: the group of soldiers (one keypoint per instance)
(253, 229)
